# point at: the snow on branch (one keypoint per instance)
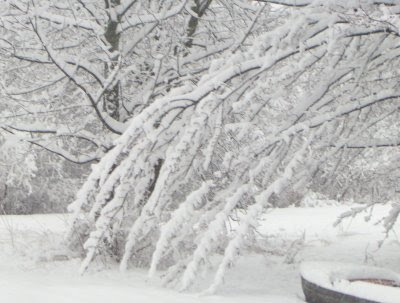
(133, 21)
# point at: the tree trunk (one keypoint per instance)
(199, 8)
(112, 95)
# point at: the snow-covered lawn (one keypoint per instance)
(28, 273)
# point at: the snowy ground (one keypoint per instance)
(27, 273)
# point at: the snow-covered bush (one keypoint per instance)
(313, 199)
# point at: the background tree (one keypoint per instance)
(75, 73)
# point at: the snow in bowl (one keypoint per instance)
(327, 282)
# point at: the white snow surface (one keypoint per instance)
(31, 270)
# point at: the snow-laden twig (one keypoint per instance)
(183, 213)
(254, 211)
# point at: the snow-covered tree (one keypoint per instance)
(263, 118)
(217, 108)
(101, 63)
